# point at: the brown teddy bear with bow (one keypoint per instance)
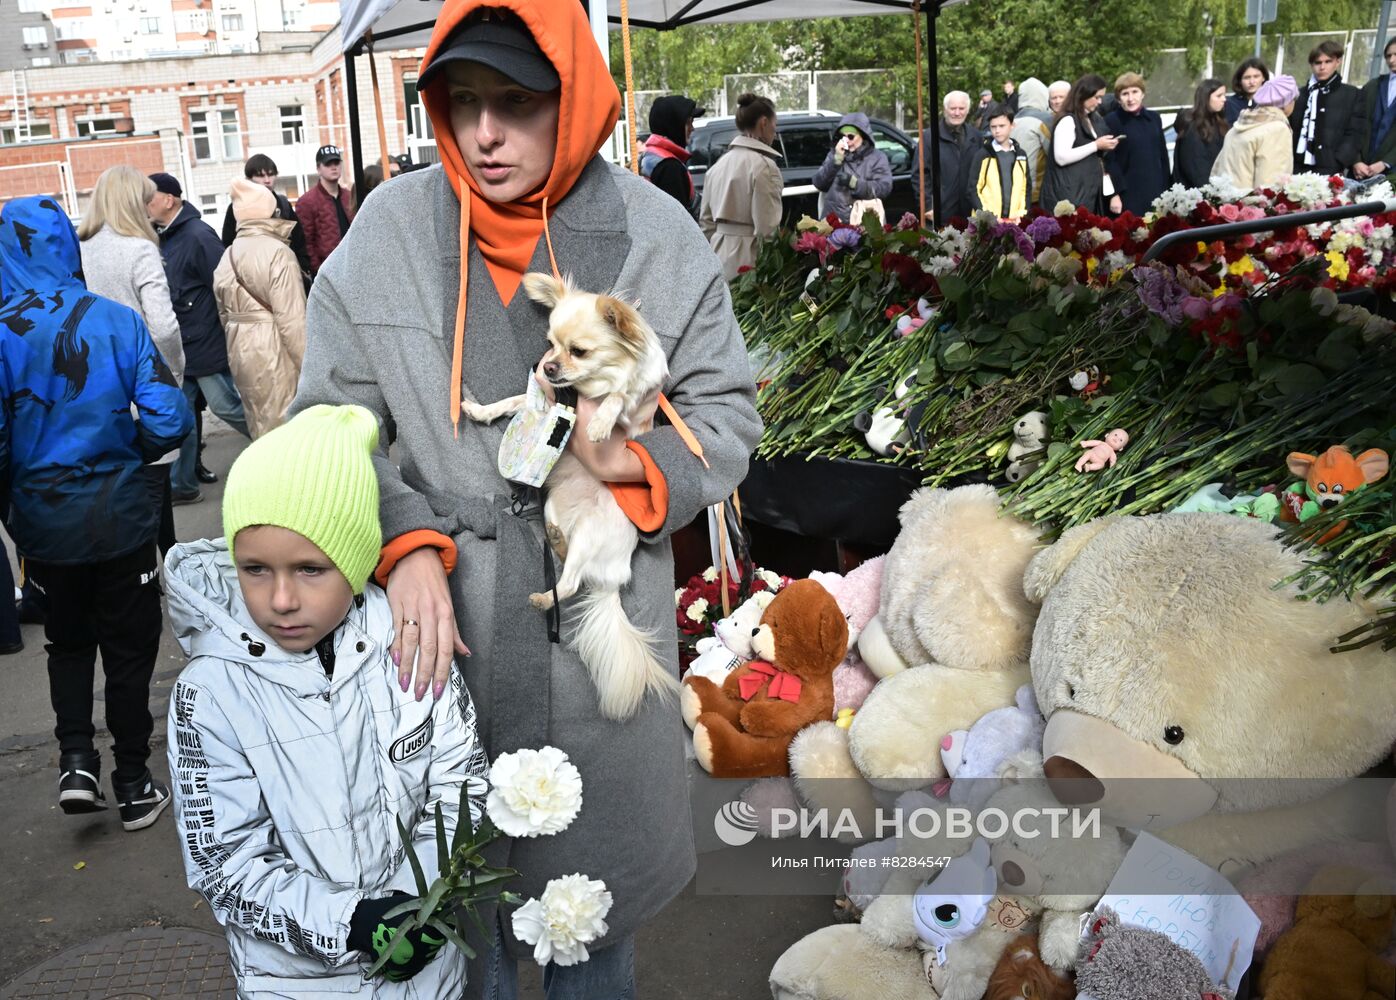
(743, 729)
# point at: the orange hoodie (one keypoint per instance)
(507, 234)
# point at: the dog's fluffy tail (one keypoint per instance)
(621, 658)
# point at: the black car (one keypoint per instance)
(803, 140)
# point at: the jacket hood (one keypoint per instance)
(859, 121)
(669, 117)
(1032, 95)
(1253, 118)
(38, 247)
(209, 618)
(277, 229)
(756, 145)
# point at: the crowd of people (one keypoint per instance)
(1099, 146)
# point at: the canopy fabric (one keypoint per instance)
(407, 24)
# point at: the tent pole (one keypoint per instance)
(932, 11)
(356, 141)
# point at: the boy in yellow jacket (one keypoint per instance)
(998, 174)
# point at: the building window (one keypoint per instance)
(208, 205)
(32, 7)
(215, 134)
(150, 26)
(232, 22)
(96, 126)
(40, 61)
(35, 36)
(292, 124)
(9, 134)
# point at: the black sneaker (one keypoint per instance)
(140, 802)
(79, 783)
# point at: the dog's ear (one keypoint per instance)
(624, 319)
(543, 288)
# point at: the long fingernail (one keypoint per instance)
(436, 690)
(421, 691)
(468, 652)
(397, 658)
(404, 679)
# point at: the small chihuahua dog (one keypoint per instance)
(602, 348)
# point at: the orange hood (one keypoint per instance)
(507, 234)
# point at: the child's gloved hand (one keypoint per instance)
(369, 931)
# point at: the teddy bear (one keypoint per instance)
(1022, 975)
(1341, 925)
(954, 611)
(1121, 962)
(743, 729)
(973, 757)
(1030, 438)
(1165, 649)
(730, 646)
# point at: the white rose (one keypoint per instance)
(697, 609)
(533, 792)
(570, 915)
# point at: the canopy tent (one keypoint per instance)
(407, 24)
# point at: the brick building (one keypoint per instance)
(198, 118)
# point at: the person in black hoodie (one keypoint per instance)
(1139, 164)
(1200, 135)
(664, 161)
(1327, 118)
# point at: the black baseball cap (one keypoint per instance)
(328, 154)
(500, 40)
(168, 184)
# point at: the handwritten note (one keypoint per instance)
(1165, 889)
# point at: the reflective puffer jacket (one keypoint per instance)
(287, 784)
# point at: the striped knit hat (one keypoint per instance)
(313, 475)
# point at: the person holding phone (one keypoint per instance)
(1075, 166)
(1138, 165)
(854, 170)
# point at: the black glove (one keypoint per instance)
(370, 932)
(844, 175)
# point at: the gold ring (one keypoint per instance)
(408, 621)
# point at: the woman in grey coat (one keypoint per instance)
(407, 319)
(854, 170)
(121, 262)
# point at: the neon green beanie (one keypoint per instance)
(313, 475)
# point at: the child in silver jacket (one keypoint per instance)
(292, 748)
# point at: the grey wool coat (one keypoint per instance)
(379, 333)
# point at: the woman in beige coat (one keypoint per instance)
(261, 303)
(741, 193)
(1259, 149)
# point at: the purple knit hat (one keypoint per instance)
(1276, 92)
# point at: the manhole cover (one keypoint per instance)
(142, 964)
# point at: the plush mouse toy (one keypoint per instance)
(1327, 480)
(730, 647)
(743, 729)
(1121, 962)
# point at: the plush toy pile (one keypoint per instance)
(998, 670)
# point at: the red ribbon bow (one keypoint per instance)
(785, 686)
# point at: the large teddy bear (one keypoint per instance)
(1165, 649)
(743, 728)
(952, 604)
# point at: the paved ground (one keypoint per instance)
(68, 884)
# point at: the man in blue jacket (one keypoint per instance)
(191, 251)
(75, 369)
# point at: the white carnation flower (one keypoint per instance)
(710, 574)
(570, 915)
(771, 580)
(533, 792)
(678, 597)
(1062, 208)
(697, 609)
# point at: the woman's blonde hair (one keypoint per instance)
(119, 201)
